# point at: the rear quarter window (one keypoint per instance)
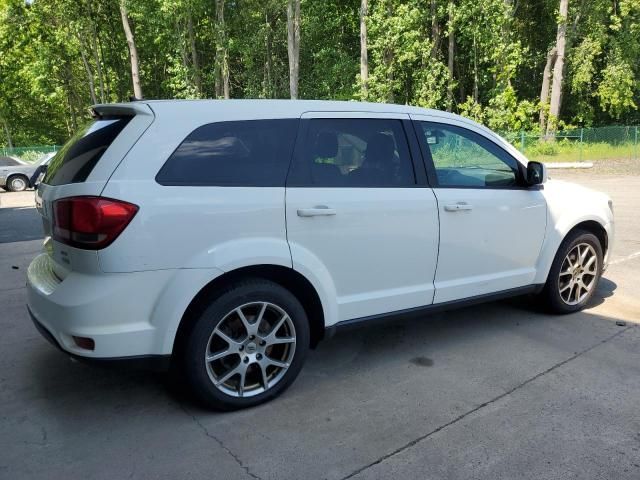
(239, 153)
(77, 158)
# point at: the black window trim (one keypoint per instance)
(417, 163)
(297, 129)
(431, 169)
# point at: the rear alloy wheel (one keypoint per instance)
(17, 184)
(247, 346)
(574, 274)
(251, 349)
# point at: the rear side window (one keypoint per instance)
(75, 161)
(243, 153)
(354, 152)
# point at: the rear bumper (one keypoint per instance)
(143, 362)
(114, 310)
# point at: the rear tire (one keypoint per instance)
(17, 183)
(574, 274)
(246, 347)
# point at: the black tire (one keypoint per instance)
(195, 347)
(550, 295)
(17, 183)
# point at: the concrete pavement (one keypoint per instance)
(493, 391)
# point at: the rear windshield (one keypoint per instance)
(74, 162)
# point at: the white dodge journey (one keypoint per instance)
(228, 237)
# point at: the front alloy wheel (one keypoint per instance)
(574, 274)
(578, 274)
(246, 347)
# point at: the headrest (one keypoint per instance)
(326, 145)
(380, 148)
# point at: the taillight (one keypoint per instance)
(90, 223)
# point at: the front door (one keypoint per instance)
(358, 220)
(491, 224)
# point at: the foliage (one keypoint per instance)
(58, 57)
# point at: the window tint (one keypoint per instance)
(354, 153)
(243, 153)
(76, 159)
(465, 159)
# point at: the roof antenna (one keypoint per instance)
(132, 98)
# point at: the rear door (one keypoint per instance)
(83, 167)
(491, 224)
(361, 220)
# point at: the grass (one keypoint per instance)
(566, 151)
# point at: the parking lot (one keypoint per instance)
(500, 390)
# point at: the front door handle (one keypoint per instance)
(458, 207)
(318, 211)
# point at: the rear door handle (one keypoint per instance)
(318, 211)
(458, 207)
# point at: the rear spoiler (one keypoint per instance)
(125, 109)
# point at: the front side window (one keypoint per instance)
(242, 153)
(465, 159)
(354, 153)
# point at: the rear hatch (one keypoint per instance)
(82, 169)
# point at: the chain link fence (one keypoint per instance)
(28, 154)
(580, 144)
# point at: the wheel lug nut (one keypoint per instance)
(246, 359)
(241, 347)
(251, 337)
(259, 356)
(263, 343)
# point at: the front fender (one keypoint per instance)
(570, 205)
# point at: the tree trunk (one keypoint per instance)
(475, 71)
(94, 50)
(450, 57)
(506, 40)
(87, 69)
(222, 62)
(435, 30)
(558, 69)
(133, 52)
(268, 61)
(364, 59)
(7, 133)
(194, 54)
(387, 59)
(544, 91)
(293, 45)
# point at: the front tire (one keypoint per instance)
(247, 346)
(574, 274)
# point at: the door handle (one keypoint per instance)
(457, 207)
(318, 211)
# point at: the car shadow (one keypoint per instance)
(19, 224)
(71, 387)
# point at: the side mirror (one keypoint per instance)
(536, 173)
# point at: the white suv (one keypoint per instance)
(231, 236)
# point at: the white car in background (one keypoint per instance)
(229, 237)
